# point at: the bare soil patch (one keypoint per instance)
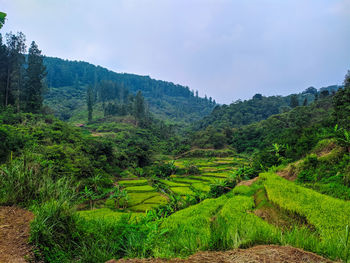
(14, 234)
(291, 171)
(248, 182)
(257, 254)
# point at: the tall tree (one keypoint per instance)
(16, 49)
(139, 106)
(90, 101)
(34, 80)
(3, 71)
(341, 103)
(305, 102)
(294, 102)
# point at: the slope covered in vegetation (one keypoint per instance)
(68, 82)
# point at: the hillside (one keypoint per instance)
(105, 191)
(68, 80)
(240, 113)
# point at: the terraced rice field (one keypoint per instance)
(211, 171)
(142, 196)
(271, 210)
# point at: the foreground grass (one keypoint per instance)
(227, 222)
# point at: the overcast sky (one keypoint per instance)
(226, 49)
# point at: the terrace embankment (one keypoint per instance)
(257, 254)
(276, 215)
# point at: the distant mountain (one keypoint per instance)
(68, 80)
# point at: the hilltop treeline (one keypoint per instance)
(240, 113)
(233, 124)
(68, 80)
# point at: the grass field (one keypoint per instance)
(270, 211)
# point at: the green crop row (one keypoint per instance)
(133, 182)
(329, 215)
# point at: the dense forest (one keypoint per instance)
(259, 108)
(108, 169)
(68, 82)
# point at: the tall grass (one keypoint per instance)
(22, 182)
(188, 230)
(61, 235)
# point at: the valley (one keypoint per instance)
(102, 166)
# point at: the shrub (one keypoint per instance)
(163, 170)
(221, 187)
(191, 168)
(306, 176)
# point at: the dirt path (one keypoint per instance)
(14, 234)
(257, 254)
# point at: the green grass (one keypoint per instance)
(229, 222)
(172, 183)
(211, 179)
(159, 199)
(186, 180)
(201, 187)
(237, 227)
(219, 174)
(140, 189)
(143, 207)
(127, 183)
(106, 214)
(330, 216)
(188, 230)
(182, 190)
(138, 198)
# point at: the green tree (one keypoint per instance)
(2, 19)
(139, 106)
(341, 103)
(305, 102)
(294, 102)
(89, 101)
(16, 48)
(34, 80)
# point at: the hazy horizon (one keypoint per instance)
(228, 50)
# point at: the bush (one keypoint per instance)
(162, 169)
(306, 176)
(191, 168)
(221, 187)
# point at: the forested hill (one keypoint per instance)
(259, 108)
(68, 81)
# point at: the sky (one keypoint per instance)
(226, 49)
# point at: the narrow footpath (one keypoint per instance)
(14, 234)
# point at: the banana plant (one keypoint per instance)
(117, 195)
(344, 139)
(89, 195)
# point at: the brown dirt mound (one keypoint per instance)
(257, 254)
(291, 171)
(14, 234)
(248, 182)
